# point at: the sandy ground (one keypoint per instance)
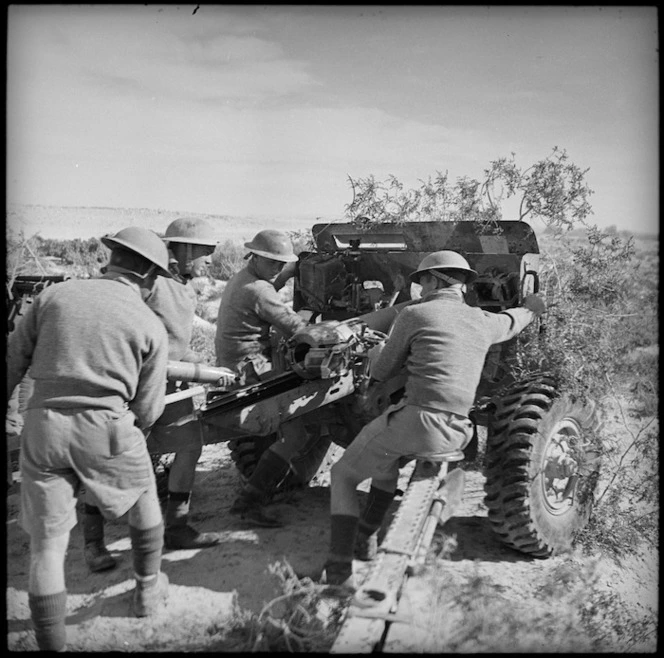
(209, 586)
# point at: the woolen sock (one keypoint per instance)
(378, 502)
(147, 546)
(343, 531)
(48, 617)
(93, 524)
(177, 508)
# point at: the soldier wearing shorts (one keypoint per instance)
(190, 242)
(442, 342)
(98, 358)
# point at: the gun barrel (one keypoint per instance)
(382, 319)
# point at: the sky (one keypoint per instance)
(267, 110)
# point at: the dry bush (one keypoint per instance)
(570, 613)
(209, 293)
(227, 259)
(602, 319)
(202, 339)
(301, 619)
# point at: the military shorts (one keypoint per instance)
(401, 433)
(63, 450)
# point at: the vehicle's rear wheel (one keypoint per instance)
(542, 467)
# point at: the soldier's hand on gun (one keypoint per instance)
(288, 271)
(227, 379)
(373, 336)
(534, 303)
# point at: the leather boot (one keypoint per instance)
(249, 505)
(177, 537)
(338, 569)
(269, 473)
(377, 505)
(366, 546)
(339, 574)
(249, 508)
(97, 557)
(178, 534)
(95, 552)
(149, 594)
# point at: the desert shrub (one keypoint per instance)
(602, 312)
(596, 316)
(208, 291)
(302, 240)
(553, 189)
(227, 259)
(602, 299)
(295, 621)
(23, 256)
(83, 257)
(601, 321)
(570, 613)
(202, 339)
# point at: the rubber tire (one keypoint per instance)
(520, 433)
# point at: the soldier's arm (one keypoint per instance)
(513, 321)
(270, 308)
(149, 404)
(393, 355)
(288, 272)
(20, 347)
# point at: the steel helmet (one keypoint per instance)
(444, 260)
(143, 242)
(190, 230)
(272, 244)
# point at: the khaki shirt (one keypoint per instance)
(249, 307)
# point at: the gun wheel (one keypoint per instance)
(542, 467)
(247, 451)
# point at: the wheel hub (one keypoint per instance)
(561, 467)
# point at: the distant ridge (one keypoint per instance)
(71, 222)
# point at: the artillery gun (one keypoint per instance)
(540, 457)
(540, 462)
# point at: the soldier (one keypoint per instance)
(443, 343)
(98, 359)
(250, 306)
(191, 243)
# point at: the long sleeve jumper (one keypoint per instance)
(174, 303)
(443, 344)
(91, 344)
(249, 307)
